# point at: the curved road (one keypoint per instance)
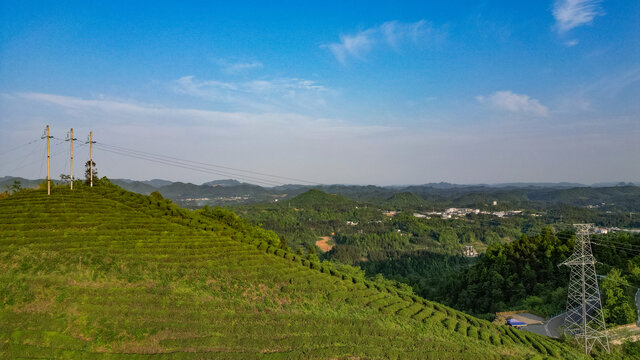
(552, 327)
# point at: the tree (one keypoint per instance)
(15, 187)
(65, 177)
(87, 172)
(618, 307)
(312, 255)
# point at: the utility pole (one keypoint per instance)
(70, 139)
(584, 318)
(48, 160)
(91, 142)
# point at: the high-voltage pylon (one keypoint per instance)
(584, 319)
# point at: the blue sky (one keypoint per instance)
(376, 92)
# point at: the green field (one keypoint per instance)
(104, 273)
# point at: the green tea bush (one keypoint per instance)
(91, 276)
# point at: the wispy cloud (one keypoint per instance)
(570, 14)
(515, 103)
(352, 45)
(572, 42)
(232, 68)
(617, 85)
(390, 34)
(282, 94)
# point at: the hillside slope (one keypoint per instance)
(102, 273)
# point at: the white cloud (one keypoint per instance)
(515, 103)
(570, 14)
(572, 43)
(113, 110)
(395, 32)
(238, 67)
(353, 45)
(391, 34)
(281, 94)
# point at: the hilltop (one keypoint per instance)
(315, 198)
(100, 272)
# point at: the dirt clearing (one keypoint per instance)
(323, 243)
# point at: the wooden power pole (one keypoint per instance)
(48, 165)
(71, 169)
(71, 138)
(91, 155)
(48, 162)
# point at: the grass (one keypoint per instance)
(102, 273)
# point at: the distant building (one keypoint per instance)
(495, 202)
(469, 251)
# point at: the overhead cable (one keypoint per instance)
(207, 164)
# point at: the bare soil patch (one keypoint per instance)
(323, 243)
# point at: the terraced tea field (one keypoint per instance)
(106, 274)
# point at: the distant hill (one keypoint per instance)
(406, 199)
(537, 184)
(157, 182)
(217, 192)
(25, 183)
(135, 186)
(621, 197)
(101, 272)
(315, 198)
(227, 182)
(534, 195)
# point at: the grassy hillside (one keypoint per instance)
(106, 274)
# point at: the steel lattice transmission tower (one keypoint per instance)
(584, 319)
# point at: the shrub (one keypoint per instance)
(472, 332)
(450, 323)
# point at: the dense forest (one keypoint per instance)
(525, 274)
(517, 269)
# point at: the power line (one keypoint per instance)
(192, 167)
(165, 161)
(606, 243)
(618, 243)
(188, 166)
(20, 146)
(207, 164)
(600, 240)
(23, 163)
(617, 247)
(604, 277)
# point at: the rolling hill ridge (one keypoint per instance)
(103, 273)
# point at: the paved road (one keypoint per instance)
(536, 328)
(552, 326)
